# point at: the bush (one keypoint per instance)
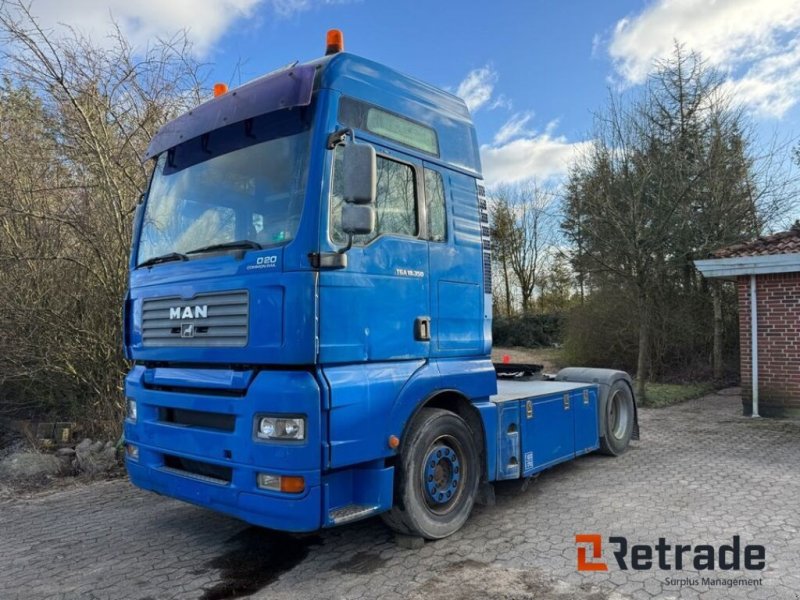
(75, 120)
(530, 331)
(602, 332)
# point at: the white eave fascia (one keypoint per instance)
(749, 265)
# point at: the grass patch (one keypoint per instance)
(667, 394)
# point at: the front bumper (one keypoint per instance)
(214, 428)
(195, 434)
(290, 513)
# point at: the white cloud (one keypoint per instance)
(500, 101)
(543, 156)
(288, 8)
(477, 87)
(745, 38)
(144, 20)
(771, 86)
(517, 152)
(512, 128)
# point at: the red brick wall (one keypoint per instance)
(778, 305)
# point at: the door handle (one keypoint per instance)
(422, 329)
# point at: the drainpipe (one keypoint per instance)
(754, 344)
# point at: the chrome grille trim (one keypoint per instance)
(225, 326)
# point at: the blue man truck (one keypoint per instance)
(309, 313)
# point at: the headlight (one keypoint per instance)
(132, 451)
(281, 428)
(269, 482)
(131, 410)
(289, 484)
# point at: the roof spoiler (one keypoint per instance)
(287, 88)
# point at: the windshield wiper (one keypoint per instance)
(235, 245)
(162, 259)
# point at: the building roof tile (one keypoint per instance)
(784, 242)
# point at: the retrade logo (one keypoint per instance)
(595, 543)
(667, 557)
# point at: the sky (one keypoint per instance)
(533, 72)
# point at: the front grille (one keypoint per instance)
(198, 470)
(213, 319)
(196, 418)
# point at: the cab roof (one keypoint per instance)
(376, 84)
(351, 76)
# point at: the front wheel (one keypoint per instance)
(437, 478)
(620, 417)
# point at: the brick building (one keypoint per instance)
(767, 276)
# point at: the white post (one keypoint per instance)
(754, 344)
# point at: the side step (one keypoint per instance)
(351, 512)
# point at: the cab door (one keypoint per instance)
(455, 263)
(377, 308)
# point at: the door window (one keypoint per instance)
(395, 202)
(435, 204)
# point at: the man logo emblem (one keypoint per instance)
(187, 330)
(189, 312)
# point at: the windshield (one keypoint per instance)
(243, 182)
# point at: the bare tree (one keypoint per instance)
(503, 224)
(557, 283)
(670, 177)
(526, 232)
(77, 120)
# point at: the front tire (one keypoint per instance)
(437, 479)
(619, 421)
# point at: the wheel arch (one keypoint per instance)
(457, 402)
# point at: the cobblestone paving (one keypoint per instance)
(700, 474)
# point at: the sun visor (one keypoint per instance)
(284, 89)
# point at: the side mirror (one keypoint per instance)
(358, 219)
(360, 174)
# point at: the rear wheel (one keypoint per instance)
(620, 417)
(437, 478)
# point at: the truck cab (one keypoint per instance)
(309, 306)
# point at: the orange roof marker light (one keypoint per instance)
(219, 89)
(334, 41)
